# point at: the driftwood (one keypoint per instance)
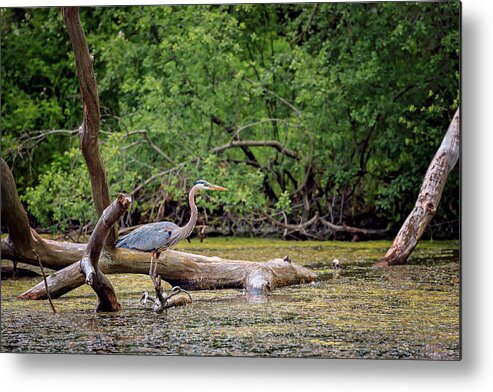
(89, 264)
(189, 271)
(428, 199)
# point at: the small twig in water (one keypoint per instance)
(44, 278)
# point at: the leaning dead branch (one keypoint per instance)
(429, 197)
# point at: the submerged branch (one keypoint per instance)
(45, 282)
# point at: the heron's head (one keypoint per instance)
(201, 184)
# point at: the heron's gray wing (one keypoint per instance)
(150, 237)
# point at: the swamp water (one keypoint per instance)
(409, 312)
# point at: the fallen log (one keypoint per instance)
(187, 270)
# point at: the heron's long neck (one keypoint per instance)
(194, 211)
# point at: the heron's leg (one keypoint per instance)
(156, 256)
(152, 275)
(152, 271)
(150, 265)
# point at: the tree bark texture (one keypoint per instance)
(428, 199)
(89, 132)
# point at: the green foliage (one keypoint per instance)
(63, 194)
(244, 187)
(39, 87)
(363, 92)
(284, 203)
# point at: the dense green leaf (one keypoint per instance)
(362, 92)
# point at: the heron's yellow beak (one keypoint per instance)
(217, 188)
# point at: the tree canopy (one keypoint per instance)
(335, 108)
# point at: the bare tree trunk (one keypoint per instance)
(428, 199)
(89, 132)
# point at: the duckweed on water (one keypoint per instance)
(409, 311)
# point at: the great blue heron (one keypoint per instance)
(160, 236)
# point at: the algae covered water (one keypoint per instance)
(409, 311)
